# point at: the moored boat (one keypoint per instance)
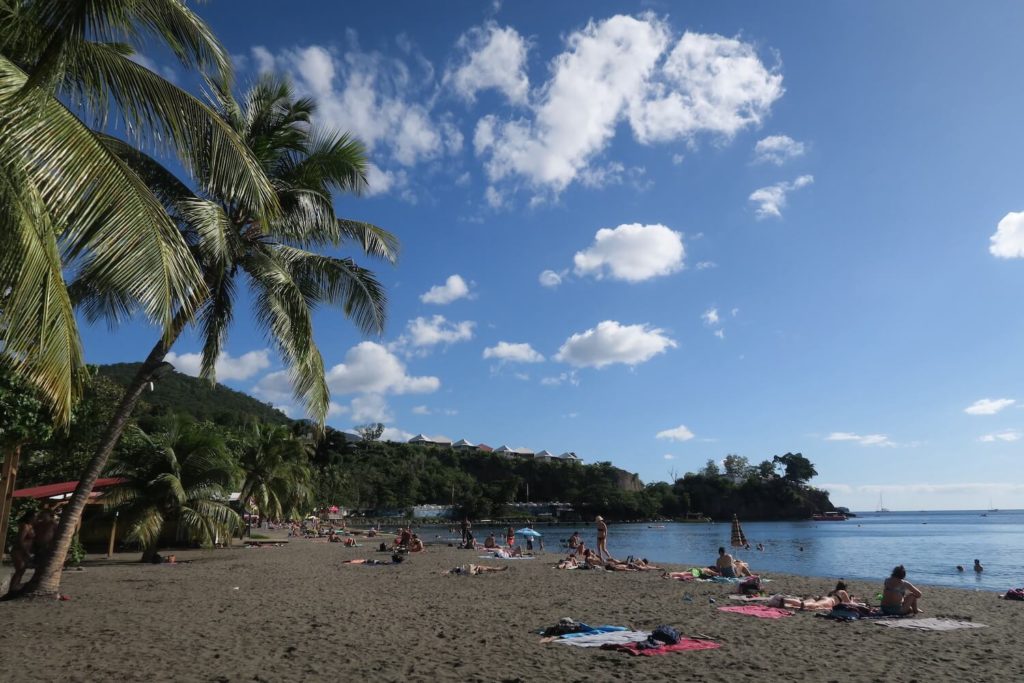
(829, 517)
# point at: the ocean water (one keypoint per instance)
(928, 544)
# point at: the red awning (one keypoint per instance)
(66, 487)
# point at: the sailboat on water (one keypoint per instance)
(881, 507)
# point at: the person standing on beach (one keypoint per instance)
(602, 539)
(510, 537)
(466, 529)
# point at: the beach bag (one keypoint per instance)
(665, 634)
(1015, 594)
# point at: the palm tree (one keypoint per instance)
(185, 477)
(68, 204)
(278, 478)
(229, 239)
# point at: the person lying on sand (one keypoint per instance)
(472, 570)
(568, 563)
(899, 596)
(616, 566)
(644, 566)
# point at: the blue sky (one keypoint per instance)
(656, 233)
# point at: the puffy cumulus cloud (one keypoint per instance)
(777, 149)
(513, 353)
(627, 69)
(227, 366)
(1008, 239)
(429, 332)
(668, 456)
(421, 410)
(632, 252)
(369, 368)
(550, 278)
(989, 406)
(371, 408)
(1005, 435)
(610, 342)
(275, 387)
(708, 83)
(395, 434)
(491, 56)
(771, 200)
(381, 100)
(719, 333)
(561, 378)
(335, 409)
(710, 317)
(862, 439)
(605, 64)
(680, 433)
(454, 288)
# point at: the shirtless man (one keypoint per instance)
(724, 564)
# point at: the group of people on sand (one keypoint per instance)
(36, 533)
(899, 597)
(406, 540)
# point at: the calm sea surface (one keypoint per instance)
(929, 544)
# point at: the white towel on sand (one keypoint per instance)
(928, 624)
(599, 639)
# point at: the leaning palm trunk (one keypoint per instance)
(46, 580)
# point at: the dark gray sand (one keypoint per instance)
(296, 613)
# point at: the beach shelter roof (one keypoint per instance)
(419, 438)
(484, 447)
(462, 442)
(63, 488)
(545, 454)
(503, 449)
(737, 540)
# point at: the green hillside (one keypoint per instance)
(182, 394)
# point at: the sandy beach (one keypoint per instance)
(296, 613)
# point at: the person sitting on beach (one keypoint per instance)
(350, 542)
(899, 596)
(574, 540)
(333, 537)
(489, 542)
(416, 545)
(977, 566)
(591, 560)
(470, 542)
(740, 568)
(724, 565)
(472, 570)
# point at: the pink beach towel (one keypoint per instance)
(759, 611)
(684, 645)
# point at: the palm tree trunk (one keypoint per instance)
(46, 580)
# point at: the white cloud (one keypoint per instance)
(1008, 239)
(514, 353)
(493, 57)
(704, 265)
(421, 410)
(550, 278)
(777, 149)
(493, 198)
(371, 408)
(383, 101)
(395, 434)
(335, 409)
(453, 289)
(428, 332)
(771, 200)
(632, 252)
(617, 70)
(168, 73)
(989, 406)
(611, 342)
(680, 433)
(371, 368)
(720, 333)
(560, 379)
(677, 159)
(227, 366)
(669, 456)
(1005, 435)
(862, 439)
(710, 316)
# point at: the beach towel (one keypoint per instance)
(929, 624)
(759, 611)
(750, 598)
(684, 645)
(593, 631)
(609, 638)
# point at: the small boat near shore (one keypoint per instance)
(829, 517)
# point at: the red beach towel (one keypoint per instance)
(684, 645)
(759, 611)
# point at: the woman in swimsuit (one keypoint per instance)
(899, 596)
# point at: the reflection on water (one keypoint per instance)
(929, 544)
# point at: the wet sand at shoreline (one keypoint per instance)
(296, 613)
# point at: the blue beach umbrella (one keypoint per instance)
(530, 532)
